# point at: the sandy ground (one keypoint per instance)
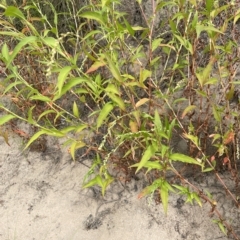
(41, 197)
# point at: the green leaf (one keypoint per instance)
(95, 181)
(62, 77)
(157, 123)
(173, 26)
(50, 132)
(156, 43)
(19, 47)
(74, 146)
(218, 10)
(209, 5)
(5, 52)
(193, 138)
(146, 191)
(179, 100)
(40, 97)
(183, 190)
(187, 110)
(153, 61)
(107, 108)
(75, 110)
(10, 86)
(150, 151)
(115, 72)
(211, 81)
(34, 138)
(117, 100)
(51, 42)
(216, 114)
(111, 88)
(164, 196)
(104, 3)
(12, 11)
(93, 16)
(17, 35)
(72, 82)
(107, 181)
(203, 77)
(45, 113)
(30, 119)
(195, 20)
(185, 43)
(80, 127)
(196, 197)
(103, 180)
(129, 28)
(6, 118)
(150, 165)
(184, 158)
(220, 225)
(68, 129)
(208, 169)
(230, 93)
(144, 74)
(200, 28)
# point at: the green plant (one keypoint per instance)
(134, 87)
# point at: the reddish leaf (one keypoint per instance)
(95, 66)
(229, 138)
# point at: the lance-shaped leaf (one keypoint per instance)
(93, 16)
(75, 110)
(184, 158)
(157, 123)
(150, 165)
(62, 77)
(117, 100)
(102, 180)
(193, 138)
(203, 77)
(141, 102)
(112, 88)
(107, 108)
(216, 113)
(187, 110)
(6, 118)
(50, 132)
(40, 97)
(19, 47)
(5, 52)
(112, 67)
(74, 146)
(200, 28)
(96, 65)
(30, 118)
(144, 74)
(45, 113)
(164, 196)
(70, 84)
(150, 151)
(12, 11)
